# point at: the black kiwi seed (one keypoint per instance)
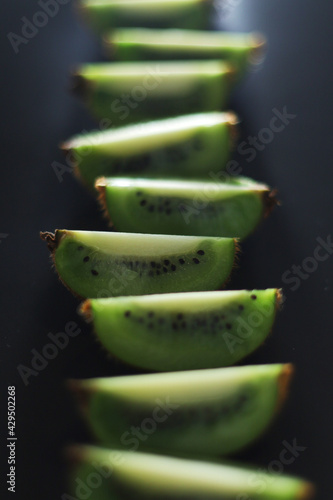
(158, 273)
(196, 261)
(151, 208)
(253, 297)
(180, 316)
(86, 259)
(181, 261)
(200, 252)
(127, 314)
(165, 270)
(153, 264)
(166, 262)
(94, 272)
(241, 308)
(143, 203)
(229, 326)
(139, 193)
(173, 267)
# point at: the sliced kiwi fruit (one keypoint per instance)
(240, 49)
(103, 264)
(184, 331)
(129, 92)
(125, 475)
(189, 146)
(230, 209)
(106, 14)
(212, 412)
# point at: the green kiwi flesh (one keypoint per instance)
(230, 209)
(126, 475)
(189, 146)
(131, 92)
(104, 15)
(239, 49)
(104, 264)
(212, 412)
(184, 331)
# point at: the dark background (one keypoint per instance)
(37, 113)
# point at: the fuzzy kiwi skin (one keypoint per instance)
(106, 264)
(185, 208)
(123, 475)
(184, 331)
(191, 154)
(199, 412)
(103, 16)
(135, 44)
(174, 93)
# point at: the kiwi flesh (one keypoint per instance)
(239, 49)
(103, 264)
(189, 146)
(213, 412)
(131, 92)
(126, 475)
(229, 209)
(104, 15)
(184, 331)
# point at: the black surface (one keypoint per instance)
(38, 112)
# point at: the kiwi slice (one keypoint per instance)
(201, 412)
(104, 264)
(189, 146)
(240, 49)
(184, 331)
(126, 92)
(230, 209)
(106, 14)
(125, 475)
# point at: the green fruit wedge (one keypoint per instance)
(184, 331)
(106, 14)
(230, 209)
(189, 146)
(201, 412)
(239, 49)
(104, 264)
(132, 92)
(126, 475)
